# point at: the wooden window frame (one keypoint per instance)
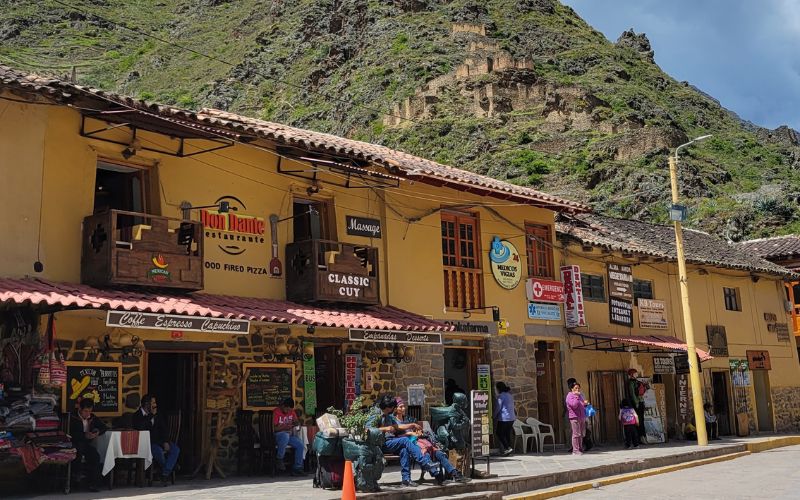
(534, 232)
(463, 285)
(148, 180)
(589, 297)
(327, 215)
(732, 298)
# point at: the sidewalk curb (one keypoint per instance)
(588, 485)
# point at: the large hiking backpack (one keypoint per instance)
(330, 473)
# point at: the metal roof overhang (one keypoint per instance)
(649, 344)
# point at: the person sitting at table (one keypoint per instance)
(165, 453)
(84, 427)
(284, 423)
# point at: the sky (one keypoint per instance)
(744, 53)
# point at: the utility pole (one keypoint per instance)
(694, 369)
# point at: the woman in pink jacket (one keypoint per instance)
(576, 411)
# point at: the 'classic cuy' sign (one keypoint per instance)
(155, 321)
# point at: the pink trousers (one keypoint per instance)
(578, 431)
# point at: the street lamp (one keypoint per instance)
(677, 214)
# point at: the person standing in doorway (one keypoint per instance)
(505, 416)
(635, 392)
(165, 453)
(284, 425)
(711, 421)
(576, 412)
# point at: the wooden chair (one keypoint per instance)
(173, 423)
(249, 447)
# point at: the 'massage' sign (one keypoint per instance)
(361, 226)
(155, 321)
(396, 336)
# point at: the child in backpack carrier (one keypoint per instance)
(630, 423)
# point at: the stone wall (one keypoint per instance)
(428, 369)
(512, 360)
(786, 405)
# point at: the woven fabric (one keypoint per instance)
(130, 442)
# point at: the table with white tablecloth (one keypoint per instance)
(110, 447)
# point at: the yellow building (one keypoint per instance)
(633, 320)
(221, 262)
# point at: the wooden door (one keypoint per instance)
(329, 371)
(606, 392)
(763, 400)
(548, 383)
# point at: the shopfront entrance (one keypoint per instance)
(174, 379)
(763, 400)
(548, 386)
(329, 368)
(606, 390)
(722, 407)
(461, 360)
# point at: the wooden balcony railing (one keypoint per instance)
(332, 271)
(463, 288)
(131, 248)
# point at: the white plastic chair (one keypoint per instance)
(520, 435)
(542, 431)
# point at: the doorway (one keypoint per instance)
(119, 187)
(721, 403)
(606, 390)
(763, 400)
(461, 365)
(329, 370)
(548, 384)
(172, 377)
(313, 220)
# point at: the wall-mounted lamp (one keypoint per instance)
(292, 349)
(495, 311)
(126, 345)
(311, 329)
(131, 149)
(392, 352)
(222, 207)
(312, 189)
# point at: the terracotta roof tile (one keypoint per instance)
(74, 296)
(777, 247)
(657, 240)
(212, 119)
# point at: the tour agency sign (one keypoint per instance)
(156, 321)
(505, 263)
(395, 336)
(620, 291)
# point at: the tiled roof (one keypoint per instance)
(658, 241)
(73, 296)
(777, 247)
(397, 161)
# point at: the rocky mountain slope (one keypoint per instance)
(523, 90)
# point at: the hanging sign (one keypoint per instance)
(309, 380)
(717, 340)
(620, 311)
(652, 314)
(550, 312)
(620, 281)
(663, 365)
(740, 372)
(759, 360)
(479, 416)
(574, 314)
(485, 385)
(463, 326)
(362, 226)
(156, 321)
(396, 336)
(505, 263)
(352, 379)
(682, 363)
(539, 290)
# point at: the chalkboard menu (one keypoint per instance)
(98, 380)
(266, 385)
(479, 409)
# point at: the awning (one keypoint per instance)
(636, 343)
(64, 296)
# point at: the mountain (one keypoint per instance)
(522, 90)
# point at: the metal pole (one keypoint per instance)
(694, 371)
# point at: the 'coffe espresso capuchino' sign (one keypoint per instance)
(361, 226)
(156, 321)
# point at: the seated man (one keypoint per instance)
(382, 418)
(84, 429)
(284, 421)
(165, 454)
(431, 447)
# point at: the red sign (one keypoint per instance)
(574, 315)
(545, 290)
(352, 379)
(176, 334)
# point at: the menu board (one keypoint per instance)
(266, 385)
(479, 406)
(98, 380)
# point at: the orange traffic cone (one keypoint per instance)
(349, 483)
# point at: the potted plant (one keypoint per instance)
(362, 446)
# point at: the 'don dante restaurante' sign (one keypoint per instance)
(505, 263)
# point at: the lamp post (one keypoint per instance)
(677, 214)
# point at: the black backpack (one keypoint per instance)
(587, 441)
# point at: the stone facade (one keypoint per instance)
(428, 369)
(786, 405)
(512, 361)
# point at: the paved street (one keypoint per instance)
(770, 474)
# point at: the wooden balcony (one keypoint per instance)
(130, 248)
(331, 271)
(463, 288)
